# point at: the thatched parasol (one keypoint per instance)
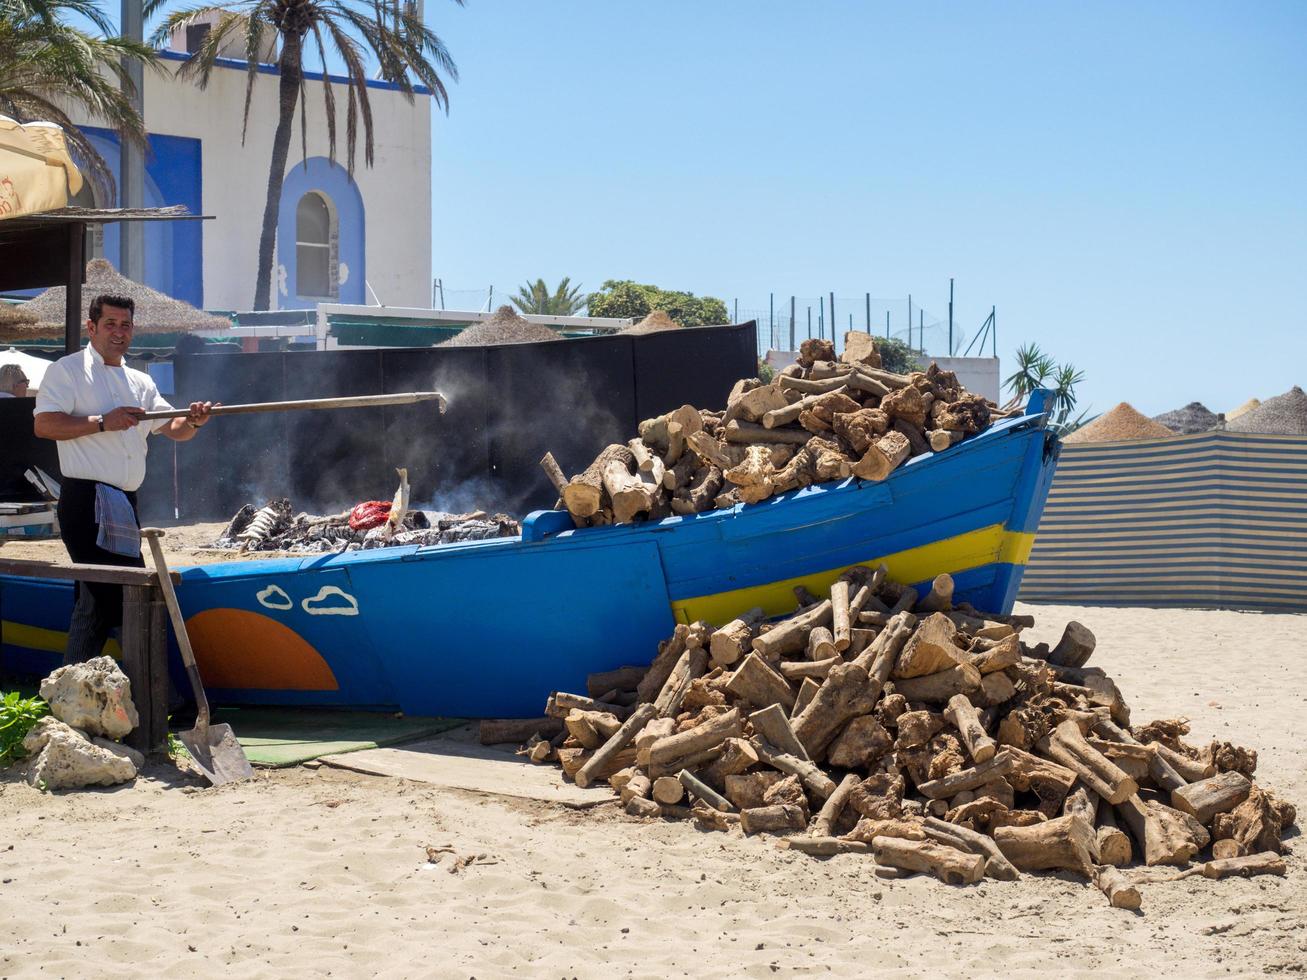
(17, 324)
(155, 312)
(656, 320)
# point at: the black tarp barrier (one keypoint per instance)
(508, 405)
(22, 450)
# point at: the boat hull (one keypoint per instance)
(490, 628)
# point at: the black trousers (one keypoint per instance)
(99, 606)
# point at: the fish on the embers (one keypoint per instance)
(266, 522)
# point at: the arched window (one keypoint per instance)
(315, 272)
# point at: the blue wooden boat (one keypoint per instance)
(489, 628)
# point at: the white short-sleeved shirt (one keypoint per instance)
(82, 384)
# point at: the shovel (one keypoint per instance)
(212, 747)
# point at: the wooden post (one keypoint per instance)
(145, 662)
(73, 291)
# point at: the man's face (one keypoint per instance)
(112, 334)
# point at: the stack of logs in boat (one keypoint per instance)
(819, 420)
(885, 722)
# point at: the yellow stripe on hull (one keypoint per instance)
(973, 549)
(51, 641)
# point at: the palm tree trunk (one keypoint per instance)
(288, 93)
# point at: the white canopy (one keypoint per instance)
(36, 172)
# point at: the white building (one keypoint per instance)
(337, 234)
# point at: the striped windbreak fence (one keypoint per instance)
(1217, 519)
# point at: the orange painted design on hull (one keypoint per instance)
(238, 649)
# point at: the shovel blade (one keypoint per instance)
(217, 753)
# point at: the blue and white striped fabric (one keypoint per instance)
(1217, 519)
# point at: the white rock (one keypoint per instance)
(95, 696)
(69, 760)
(126, 751)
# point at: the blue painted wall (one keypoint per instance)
(174, 250)
(332, 180)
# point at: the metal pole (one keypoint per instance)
(737, 310)
(887, 324)
(832, 317)
(771, 317)
(909, 321)
(821, 316)
(950, 316)
(809, 322)
(442, 293)
(792, 347)
(131, 177)
(921, 331)
(73, 294)
(993, 316)
(869, 313)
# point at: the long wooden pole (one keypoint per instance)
(357, 401)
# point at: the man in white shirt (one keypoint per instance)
(91, 404)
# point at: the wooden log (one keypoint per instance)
(791, 412)
(811, 386)
(940, 597)
(973, 778)
(1162, 772)
(759, 684)
(1265, 863)
(807, 691)
(653, 730)
(1120, 893)
(638, 806)
(748, 434)
(939, 687)
(644, 457)
(929, 650)
(1066, 745)
(824, 846)
(1075, 647)
(494, 731)
(621, 679)
(554, 472)
(844, 695)
(694, 762)
(1219, 794)
(668, 790)
(772, 724)
(560, 703)
(1113, 843)
(680, 473)
(582, 728)
(816, 781)
(1067, 843)
(669, 652)
(1003, 654)
(692, 665)
(583, 495)
(880, 656)
(737, 756)
(573, 760)
(1162, 837)
(962, 713)
(1228, 848)
(797, 670)
(828, 817)
(882, 457)
(917, 444)
(821, 644)
(701, 738)
(839, 599)
(791, 635)
(997, 866)
(733, 640)
(780, 818)
(631, 495)
(941, 439)
(1047, 780)
(948, 864)
(746, 790)
(1191, 770)
(603, 758)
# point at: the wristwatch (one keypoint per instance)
(100, 420)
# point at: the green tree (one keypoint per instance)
(535, 297)
(624, 298)
(389, 31)
(897, 355)
(48, 66)
(1033, 369)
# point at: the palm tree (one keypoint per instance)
(389, 31)
(47, 66)
(534, 297)
(1033, 369)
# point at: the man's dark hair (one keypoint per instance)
(121, 302)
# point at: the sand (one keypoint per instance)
(183, 544)
(305, 872)
(656, 321)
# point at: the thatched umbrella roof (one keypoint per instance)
(16, 323)
(155, 312)
(656, 320)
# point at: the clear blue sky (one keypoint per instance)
(1126, 182)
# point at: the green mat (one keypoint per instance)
(278, 737)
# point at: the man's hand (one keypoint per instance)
(123, 417)
(200, 413)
